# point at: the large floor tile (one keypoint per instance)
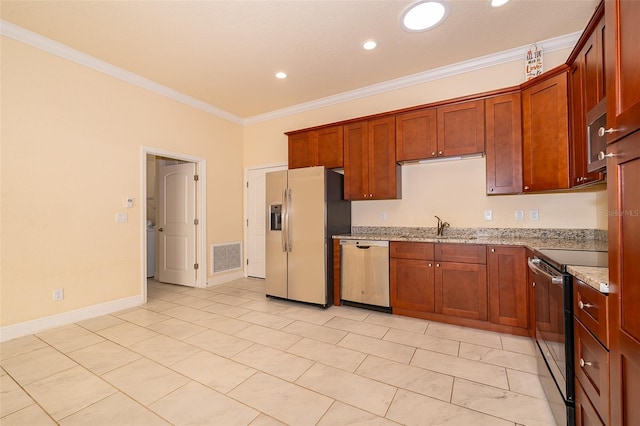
(36, 365)
(224, 324)
(126, 334)
(463, 368)
(520, 344)
(117, 409)
(268, 337)
(101, 322)
(145, 381)
(14, 398)
(498, 357)
(397, 321)
(20, 346)
(464, 334)
(317, 332)
(348, 312)
(501, 403)
(28, 416)
(103, 357)
(194, 301)
(277, 363)
(266, 319)
(416, 379)
(525, 383)
(218, 343)
(308, 314)
(358, 327)
(69, 391)
(340, 414)
(143, 317)
(176, 328)
(417, 340)
(264, 420)
(282, 400)
(70, 338)
(228, 299)
(164, 350)
(409, 408)
(214, 371)
(226, 310)
(361, 392)
(377, 347)
(187, 313)
(325, 353)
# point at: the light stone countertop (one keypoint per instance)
(531, 238)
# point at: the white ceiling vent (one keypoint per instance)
(226, 257)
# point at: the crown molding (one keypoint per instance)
(549, 45)
(28, 37)
(43, 43)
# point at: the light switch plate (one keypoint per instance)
(122, 218)
(534, 214)
(519, 214)
(488, 215)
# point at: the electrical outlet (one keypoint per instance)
(58, 294)
(122, 217)
(519, 214)
(383, 216)
(534, 214)
(488, 215)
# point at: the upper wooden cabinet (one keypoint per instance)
(370, 168)
(320, 147)
(416, 135)
(503, 144)
(545, 123)
(445, 131)
(622, 62)
(587, 102)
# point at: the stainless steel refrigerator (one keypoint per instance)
(306, 207)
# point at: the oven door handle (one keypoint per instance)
(533, 265)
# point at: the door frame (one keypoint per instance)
(201, 213)
(273, 167)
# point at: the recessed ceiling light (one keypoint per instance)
(281, 75)
(424, 14)
(498, 3)
(369, 45)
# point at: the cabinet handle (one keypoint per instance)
(583, 363)
(602, 155)
(584, 305)
(491, 190)
(526, 188)
(602, 131)
(533, 283)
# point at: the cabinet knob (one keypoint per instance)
(370, 195)
(584, 305)
(602, 155)
(439, 152)
(602, 131)
(533, 283)
(585, 363)
(161, 229)
(490, 189)
(437, 265)
(433, 154)
(430, 265)
(526, 188)
(493, 250)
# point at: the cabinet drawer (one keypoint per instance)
(586, 414)
(408, 250)
(461, 253)
(592, 368)
(590, 307)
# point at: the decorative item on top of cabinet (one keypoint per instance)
(507, 266)
(545, 122)
(591, 354)
(370, 168)
(319, 147)
(587, 102)
(622, 62)
(503, 121)
(623, 181)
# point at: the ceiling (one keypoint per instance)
(225, 53)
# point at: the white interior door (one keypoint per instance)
(176, 224)
(257, 220)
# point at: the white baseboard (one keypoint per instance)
(225, 278)
(34, 326)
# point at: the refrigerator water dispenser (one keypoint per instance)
(275, 217)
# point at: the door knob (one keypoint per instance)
(161, 229)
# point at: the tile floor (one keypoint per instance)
(226, 355)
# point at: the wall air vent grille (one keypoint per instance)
(226, 257)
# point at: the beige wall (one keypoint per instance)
(454, 190)
(71, 154)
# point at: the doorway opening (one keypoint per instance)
(173, 250)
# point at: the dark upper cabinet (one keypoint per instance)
(503, 138)
(416, 135)
(461, 128)
(320, 147)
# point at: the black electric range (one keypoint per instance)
(561, 258)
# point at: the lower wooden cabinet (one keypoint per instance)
(461, 290)
(507, 275)
(411, 284)
(586, 414)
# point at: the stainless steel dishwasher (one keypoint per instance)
(364, 272)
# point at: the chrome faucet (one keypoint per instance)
(441, 226)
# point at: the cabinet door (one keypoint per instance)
(416, 135)
(356, 161)
(411, 284)
(622, 61)
(623, 181)
(330, 147)
(384, 172)
(545, 135)
(586, 414)
(461, 290)
(302, 150)
(507, 286)
(461, 128)
(504, 144)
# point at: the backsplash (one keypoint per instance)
(566, 234)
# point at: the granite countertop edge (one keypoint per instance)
(596, 278)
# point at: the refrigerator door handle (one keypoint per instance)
(289, 241)
(283, 232)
